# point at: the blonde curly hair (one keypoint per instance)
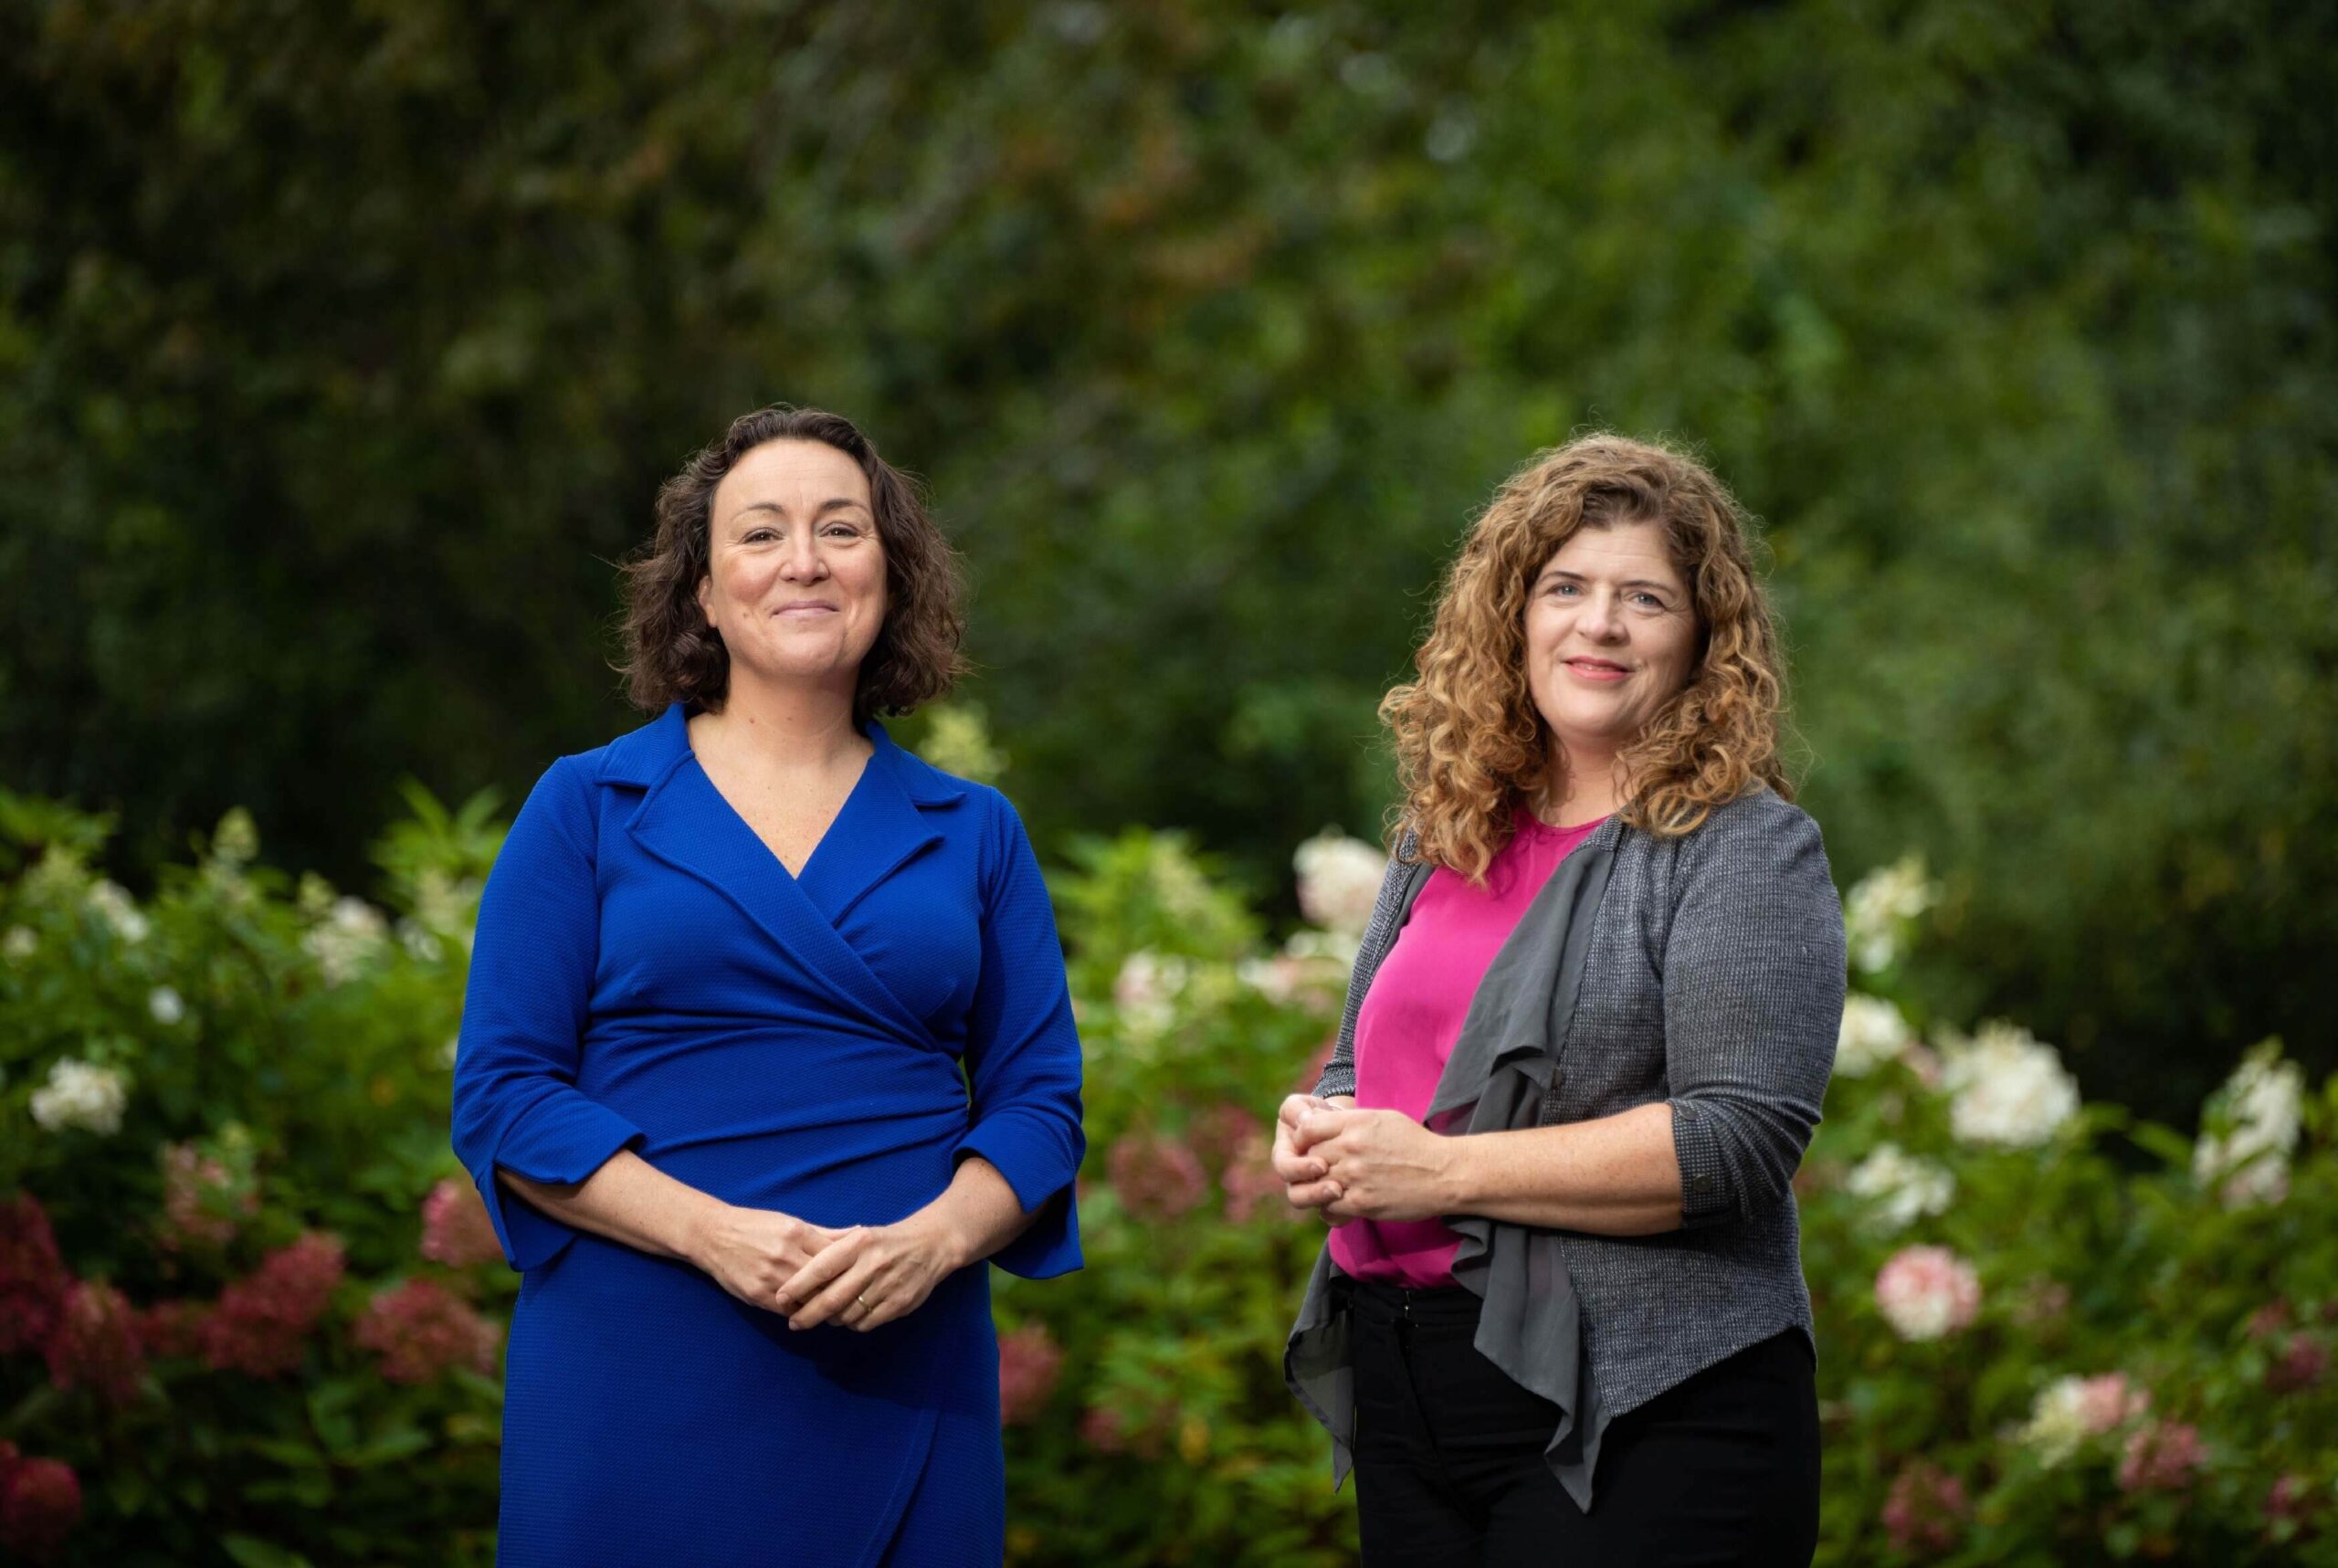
(1469, 742)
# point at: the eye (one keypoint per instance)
(1649, 600)
(757, 536)
(841, 530)
(1562, 589)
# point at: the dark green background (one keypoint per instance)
(341, 350)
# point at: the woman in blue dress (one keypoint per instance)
(766, 1050)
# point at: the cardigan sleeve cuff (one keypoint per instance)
(1338, 1078)
(1041, 1183)
(560, 1145)
(1707, 1195)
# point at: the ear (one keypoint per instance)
(706, 596)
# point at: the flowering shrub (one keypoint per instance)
(250, 1312)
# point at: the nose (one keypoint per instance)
(803, 562)
(1603, 618)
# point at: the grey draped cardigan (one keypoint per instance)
(1706, 971)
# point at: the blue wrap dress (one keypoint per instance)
(648, 975)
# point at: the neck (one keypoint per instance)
(786, 724)
(1584, 782)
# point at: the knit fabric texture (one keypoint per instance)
(1714, 982)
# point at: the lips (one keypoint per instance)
(1597, 670)
(809, 608)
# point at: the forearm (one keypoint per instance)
(974, 1216)
(629, 1200)
(1615, 1176)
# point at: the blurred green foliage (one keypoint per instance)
(341, 348)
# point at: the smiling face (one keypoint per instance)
(1610, 635)
(796, 579)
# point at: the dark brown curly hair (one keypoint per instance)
(673, 656)
(1470, 741)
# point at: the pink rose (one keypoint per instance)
(1029, 1361)
(456, 1230)
(1927, 1292)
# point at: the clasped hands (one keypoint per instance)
(1361, 1165)
(860, 1276)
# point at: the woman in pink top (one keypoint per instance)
(1560, 1318)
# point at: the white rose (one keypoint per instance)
(2007, 1088)
(1339, 880)
(165, 1005)
(79, 1094)
(1903, 1187)
(1873, 1032)
(2252, 1128)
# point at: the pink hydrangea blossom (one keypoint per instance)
(1099, 1428)
(40, 1502)
(2291, 1498)
(2109, 1402)
(1927, 1292)
(1028, 1362)
(1925, 1511)
(173, 1327)
(1251, 1182)
(1216, 1133)
(200, 1205)
(2162, 1457)
(456, 1230)
(95, 1344)
(2268, 1319)
(33, 1281)
(421, 1330)
(262, 1321)
(1156, 1177)
(2303, 1362)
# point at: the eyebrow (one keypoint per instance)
(833, 503)
(1627, 582)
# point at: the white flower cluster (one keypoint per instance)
(1903, 1187)
(120, 910)
(1339, 880)
(957, 740)
(165, 1005)
(1873, 1032)
(347, 939)
(20, 943)
(2007, 1088)
(2070, 1410)
(1881, 907)
(1927, 1293)
(1146, 989)
(2252, 1126)
(80, 1095)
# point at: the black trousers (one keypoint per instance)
(1722, 1469)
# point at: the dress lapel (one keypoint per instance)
(684, 821)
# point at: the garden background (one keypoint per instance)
(341, 352)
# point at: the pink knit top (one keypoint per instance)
(1413, 1015)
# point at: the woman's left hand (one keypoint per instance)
(1389, 1167)
(869, 1275)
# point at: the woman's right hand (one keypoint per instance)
(753, 1252)
(1305, 1178)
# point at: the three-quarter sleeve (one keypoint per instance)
(516, 1104)
(1023, 1056)
(1753, 981)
